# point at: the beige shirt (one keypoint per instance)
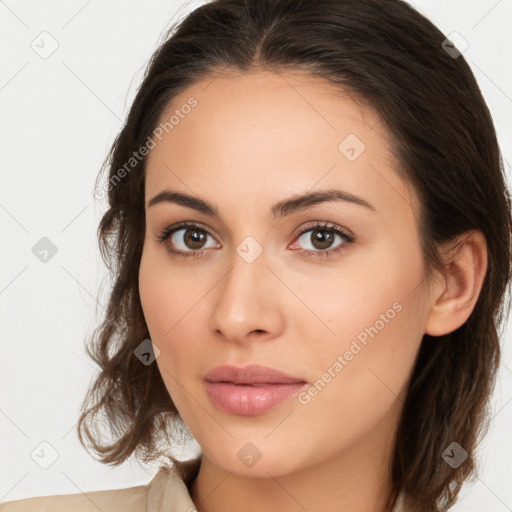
(167, 492)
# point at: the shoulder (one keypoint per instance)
(168, 489)
(132, 499)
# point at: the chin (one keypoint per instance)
(251, 461)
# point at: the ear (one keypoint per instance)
(453, 298)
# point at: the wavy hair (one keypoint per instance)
(394, 60)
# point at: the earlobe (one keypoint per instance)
(453, 299)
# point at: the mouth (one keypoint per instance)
(250, 399)
(250, 390)
(250, 375)
(255, 384)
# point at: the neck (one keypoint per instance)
(356, 479)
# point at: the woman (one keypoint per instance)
(299, 279)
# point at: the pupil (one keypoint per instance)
(194, 239)
(324, 240)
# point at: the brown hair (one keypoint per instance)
(393, 59)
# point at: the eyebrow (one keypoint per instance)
(278, 210)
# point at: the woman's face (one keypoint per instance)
(341, 307)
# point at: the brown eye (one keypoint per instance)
(186, 239)
(322, 239)
(194, 238)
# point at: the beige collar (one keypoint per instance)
(168, 489)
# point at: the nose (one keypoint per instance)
(248, 303)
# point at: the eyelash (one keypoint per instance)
(321, 226)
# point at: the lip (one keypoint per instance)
(250, 374)
(250, 390)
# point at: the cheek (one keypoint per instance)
(163, 309)
(171, 299)
(154, 301)
(372, 328)
(163, 292)
(358, 385)
(361, 298)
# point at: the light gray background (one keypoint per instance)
(59, 116)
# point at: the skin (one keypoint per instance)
(251, 141)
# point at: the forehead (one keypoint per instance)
(266, 135)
